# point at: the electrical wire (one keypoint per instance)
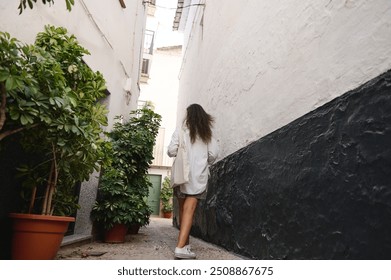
(95, 23)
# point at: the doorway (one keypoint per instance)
(154, 193)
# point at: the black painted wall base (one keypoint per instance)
(318, 188)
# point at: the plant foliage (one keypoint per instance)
(23, 4)
(49, 96)
(124, 185)
(166, 195)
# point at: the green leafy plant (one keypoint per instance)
(114, 200)
(49, 98)
(131, 155)
(23, 4)
(166, 196)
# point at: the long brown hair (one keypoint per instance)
(199, 123)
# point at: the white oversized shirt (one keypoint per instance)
(200, 156)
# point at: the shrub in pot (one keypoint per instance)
(111, 210)
(166, 198)
(49, 100)
(131, 155)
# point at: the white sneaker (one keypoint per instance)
(184, 253)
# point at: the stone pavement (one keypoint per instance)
(153, 242)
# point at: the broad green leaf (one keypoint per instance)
(69, 4)
(10, 83)
(4, 74)
(73, 101)
(14, 115)
(23, 120)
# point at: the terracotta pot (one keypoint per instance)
(37, 237)
(116, 234)
(167, 215)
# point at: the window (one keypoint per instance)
(148, 41)
(151, 7)
(145, 67)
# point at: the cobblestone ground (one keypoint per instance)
(154, 242)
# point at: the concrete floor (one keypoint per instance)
(156, 241)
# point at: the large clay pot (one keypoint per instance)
(116, 234)
(37, 237)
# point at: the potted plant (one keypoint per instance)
(166, 198)
(111, 210)
(49, 101)
(141, 213)
(132, 148)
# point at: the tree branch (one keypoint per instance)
(45, 209)
(10, 132)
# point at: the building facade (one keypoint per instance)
(300, 94)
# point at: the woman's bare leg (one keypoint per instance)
(186, 220)
(181, 201)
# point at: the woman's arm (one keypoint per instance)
(213, 151)
(173, 146)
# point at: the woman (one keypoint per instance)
(201, 150)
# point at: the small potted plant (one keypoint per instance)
(112, 208)
(166, 198)
(49, 101)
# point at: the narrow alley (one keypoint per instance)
(153, 242)
(296, 96)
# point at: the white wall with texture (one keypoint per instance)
(258, 65)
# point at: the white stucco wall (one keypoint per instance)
(114, 39)
(258, 65)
